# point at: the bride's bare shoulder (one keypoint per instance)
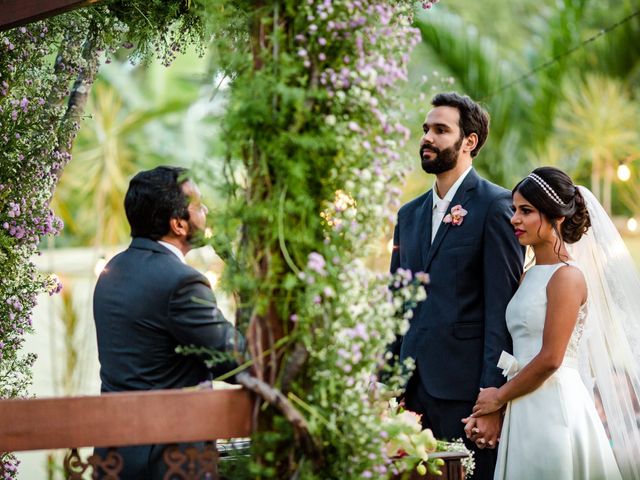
(569, 280)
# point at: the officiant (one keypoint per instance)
(148, 301)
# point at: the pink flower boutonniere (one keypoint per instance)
(456, 216)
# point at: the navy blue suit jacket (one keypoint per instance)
(457, 334)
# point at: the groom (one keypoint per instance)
(458, 232)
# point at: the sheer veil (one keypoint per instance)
(610, 348)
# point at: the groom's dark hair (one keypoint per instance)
(154, 197)
(473, 118)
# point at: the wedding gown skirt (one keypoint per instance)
(554, 432)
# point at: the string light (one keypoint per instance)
(624, 172)
(99, 266)
(212, 277)
(560, 56)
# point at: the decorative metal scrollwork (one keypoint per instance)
(192, 463)
(108, 468)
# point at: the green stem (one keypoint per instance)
(283, 246)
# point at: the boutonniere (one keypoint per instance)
(456, 216)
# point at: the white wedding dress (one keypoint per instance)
(554, 432)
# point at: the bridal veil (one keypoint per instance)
(610, 349)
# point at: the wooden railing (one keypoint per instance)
(14, 13)
(131, 418)
(140, 418)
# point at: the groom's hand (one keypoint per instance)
(485, 430)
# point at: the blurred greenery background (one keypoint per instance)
(560, 78)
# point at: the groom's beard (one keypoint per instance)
(444, 160)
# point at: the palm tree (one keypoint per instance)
(128, 128)
(598, 121)
(522, 112)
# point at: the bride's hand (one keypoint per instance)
(488, 402)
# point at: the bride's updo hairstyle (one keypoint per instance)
(553, 193)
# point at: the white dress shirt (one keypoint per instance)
(175, 250)
(441, 205)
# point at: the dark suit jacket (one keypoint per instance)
(457, 334)
(146, 303)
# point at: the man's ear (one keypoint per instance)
(178, 227)
(470, 142)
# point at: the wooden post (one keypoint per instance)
(14, 13)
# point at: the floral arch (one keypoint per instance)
(308, 159)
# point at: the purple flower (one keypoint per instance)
(317, 263)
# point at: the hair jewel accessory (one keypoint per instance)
(547, 188)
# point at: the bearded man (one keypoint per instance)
(459, 232)
(148, 301)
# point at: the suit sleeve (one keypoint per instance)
(394, 347)
(194, 318)
(503, 260)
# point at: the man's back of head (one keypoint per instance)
(155, 197)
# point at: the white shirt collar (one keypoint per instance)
(173, 249)
(452, 191)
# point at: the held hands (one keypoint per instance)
(485, 430)
(488, 402)
(484, 424)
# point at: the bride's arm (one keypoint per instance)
(566, 291)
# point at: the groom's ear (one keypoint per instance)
(470, 142)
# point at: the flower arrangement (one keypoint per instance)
(410, 445)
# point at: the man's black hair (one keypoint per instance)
(473, 118)
(154, 197)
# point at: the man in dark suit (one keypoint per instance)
(148, 301)
(458, 232)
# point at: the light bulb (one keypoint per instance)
(99, 266)
(624, 172)
(212, 277)
(632, 225)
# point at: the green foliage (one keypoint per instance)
(310, 150)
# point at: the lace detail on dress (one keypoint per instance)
(576, 336)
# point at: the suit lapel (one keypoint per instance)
(460, 198)
(425, 220)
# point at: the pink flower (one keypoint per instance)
(456, 216)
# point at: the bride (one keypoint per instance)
(571, 320)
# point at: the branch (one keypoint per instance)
(276, 399)
(294, 365)
(79, 94)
